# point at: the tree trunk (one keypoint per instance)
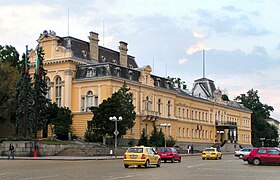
(104, 139)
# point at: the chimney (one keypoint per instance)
(93, 39)
(123, 53)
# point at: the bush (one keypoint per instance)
(170, 142)
(92, 137)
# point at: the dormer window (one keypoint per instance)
(114, 61)
(84, 54)
(117, 70)
(103, 58)
(130, 66)
(130, 73)
(158, 82)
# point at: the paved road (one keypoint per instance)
(191, 167)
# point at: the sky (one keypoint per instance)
(240, 38)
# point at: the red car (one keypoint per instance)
(264, 155)
(169, 153)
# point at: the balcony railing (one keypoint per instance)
(225, 123)
(150, 113)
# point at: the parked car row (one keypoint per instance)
(146, 156)
(263, 155)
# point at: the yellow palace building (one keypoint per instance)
(82, 74)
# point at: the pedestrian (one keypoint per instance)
(11, 151)
(192, 148)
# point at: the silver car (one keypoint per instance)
(242, 152)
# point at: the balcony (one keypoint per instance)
(225, 123)
(150, 115)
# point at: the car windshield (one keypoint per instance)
(135, 150)
(164, 150)
(209, 150)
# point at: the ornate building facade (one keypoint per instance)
(82, 74)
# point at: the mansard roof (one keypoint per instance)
(207, 85)
(81, 50)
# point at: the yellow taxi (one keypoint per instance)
(141, 156)
(211, 153)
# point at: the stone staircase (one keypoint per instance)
(87, 150)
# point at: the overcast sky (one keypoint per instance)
(241, 38)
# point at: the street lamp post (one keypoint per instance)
(165, 125)
(262, 139)
(116, 132)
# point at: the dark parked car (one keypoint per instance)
(264, 155)
(169, 153)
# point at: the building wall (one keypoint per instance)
(192, 120)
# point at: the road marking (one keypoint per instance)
(41, 177)
(196, 165)
(122, 177)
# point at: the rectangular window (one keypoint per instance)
(83, 104)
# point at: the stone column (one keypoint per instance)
(68, 88)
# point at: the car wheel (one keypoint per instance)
(139, 166)
(172, 160)
(158, 163)
(220, 157)
(179, 160)
(256, 161)
(126, 166)
(147, 164)
(240, 156)
(203, 158)
(216, 157)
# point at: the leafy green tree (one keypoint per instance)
(9, 54)
(60, 119)
(40, 90)
(24, 98)
(156, 138)
(225, 97)
(170, 142)
(8, 78)
(120, 104)
(260, 112)
(143, 139)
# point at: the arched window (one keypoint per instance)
(89, 99)
(58, 85)
(48, 95)
(159, 102)
(168, 108)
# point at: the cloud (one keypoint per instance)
(198, 35)
(258, 50)
(231, 9)
(222, 22)
(195, 48)
(182, 61)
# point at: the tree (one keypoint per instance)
(8, 78)
(24, 98)
(260, 112)
(40, 90)
(9, 54)
(143, 139)
(170, 142)
(60, 119)
(120, 104)
(156, 138)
